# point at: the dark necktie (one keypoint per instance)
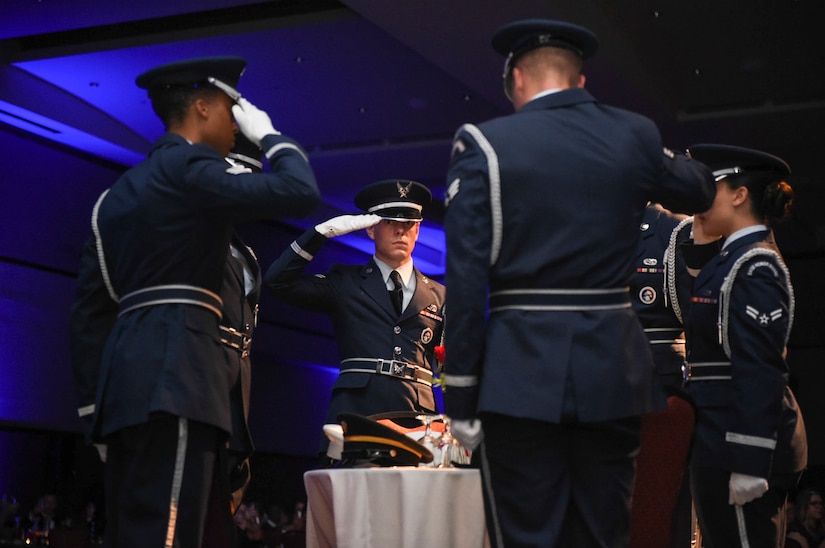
(396, 294)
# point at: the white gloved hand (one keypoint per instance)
(468, 432)
(252, 121)
(101, 451)
(335, 435)
(344, 224)
(744, 488)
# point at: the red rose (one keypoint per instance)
(440, 353)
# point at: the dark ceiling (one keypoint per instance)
(372, 89)
(376, 89)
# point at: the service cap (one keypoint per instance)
(517, 38)
(728, 160)
(394, 199)
(193, 72)
(368, 441)
(246, 153)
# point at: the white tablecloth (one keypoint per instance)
(395, 508)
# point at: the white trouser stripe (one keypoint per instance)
(743, 531)
(177, 480)
(488, 487)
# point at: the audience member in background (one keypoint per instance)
(248, 525)
(808, 529)
(43, 516)
(93, 523)
(273, 529)
(276, 517)
(10, 518)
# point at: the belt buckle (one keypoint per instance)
(685, 374)
(398, 369)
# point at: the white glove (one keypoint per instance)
(743, 488)
(101, 451)
(344, 224)
(468, 432)
(252, 121)
(335, 435)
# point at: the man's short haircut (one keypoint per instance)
(171, 104)
(563, 61)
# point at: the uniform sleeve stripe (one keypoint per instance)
(460, 381)
(753, 441)
(85, 410)
(495, 188)
(280, 146)
(299, 251)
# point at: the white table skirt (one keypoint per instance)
(395, 507)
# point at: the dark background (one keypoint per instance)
(373, 90)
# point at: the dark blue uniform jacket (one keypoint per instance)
(749, 423)
(366, 326)
(659, 305)
(551, 197)
(169, 220)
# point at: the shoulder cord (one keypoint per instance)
(727, 285)
(669, 262)
(99, 245)
(443, 333)
(494, 176)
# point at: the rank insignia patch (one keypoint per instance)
(763, 318)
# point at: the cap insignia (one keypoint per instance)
(403, 190)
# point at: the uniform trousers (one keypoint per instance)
(548, 485)
(158, 478)
(758, 524)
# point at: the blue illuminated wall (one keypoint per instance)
(45, 196)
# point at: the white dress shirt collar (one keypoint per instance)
(406, 271)
(742, 232)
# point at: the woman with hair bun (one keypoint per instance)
(750, 442)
